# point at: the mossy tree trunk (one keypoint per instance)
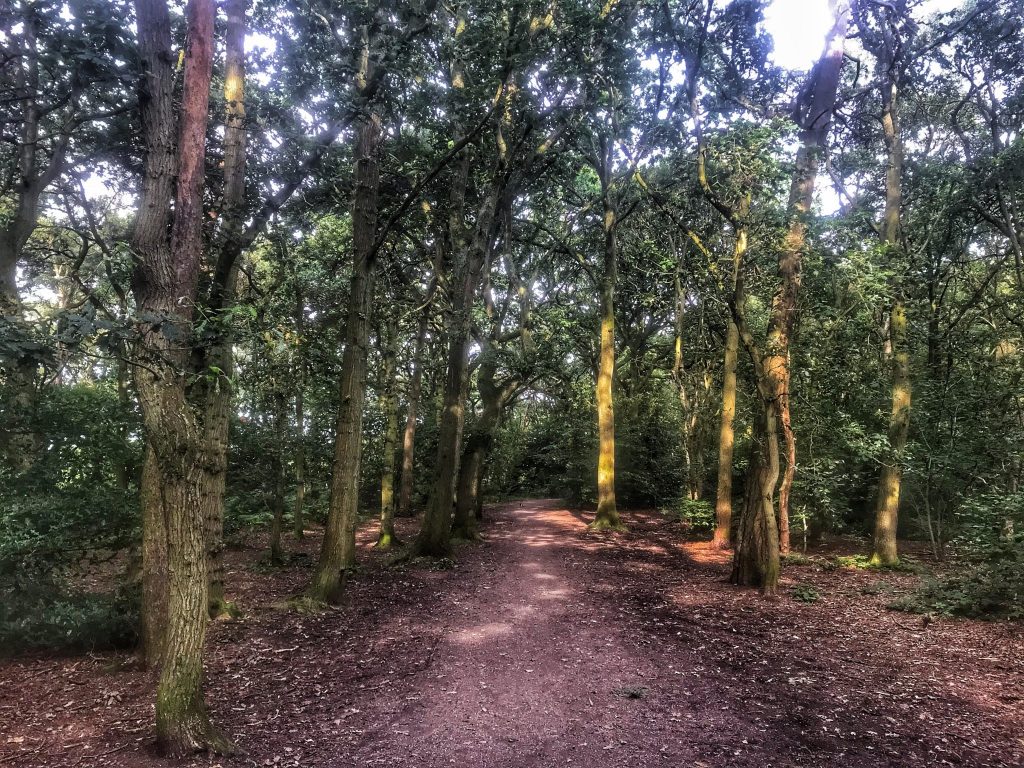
(887, 501)
(389, 405)
(607, 512)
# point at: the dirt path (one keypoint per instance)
(547, 645)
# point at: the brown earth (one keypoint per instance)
(547, 645)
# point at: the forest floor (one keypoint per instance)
(547, 645)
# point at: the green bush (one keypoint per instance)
(991, 546)
(45, 618)
(696, 515)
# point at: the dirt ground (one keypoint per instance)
(547, 645)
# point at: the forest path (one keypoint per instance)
(550, 645)
(528, 670)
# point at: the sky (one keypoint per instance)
(798, 28)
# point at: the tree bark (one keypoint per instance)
(726, 429)
(155, 574)
(434, 538)
(217, 364)
(337, 553)
(607, 516)
(389, 405)
(753, 564)
(887, 502)
(165, 281)
(413, 402)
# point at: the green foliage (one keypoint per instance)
(990, 580)
(40, 617)
(696, 515)
(805, 593)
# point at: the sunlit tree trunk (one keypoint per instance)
(337, 553)
(389, 406)
(726, 428)
(217, 363)
(607, 512)
(753, 564)
(887, 502)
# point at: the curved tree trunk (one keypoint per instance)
(813, 112)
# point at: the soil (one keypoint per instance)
(548, 645)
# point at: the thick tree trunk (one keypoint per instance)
(165, 282)
(756, 562)
(607, 512)
(337, 553)
(389, 405)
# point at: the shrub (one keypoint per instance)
(41, 618)
(696, 515)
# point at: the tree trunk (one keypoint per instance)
(434, 538)
(298, 521)
(756, 562)
(726, 441)
(217, 364)
(413, 403)
(887, 502)
(165, 282)
(389, 405)
(277, 501)
(337, 553)
(607, 512)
